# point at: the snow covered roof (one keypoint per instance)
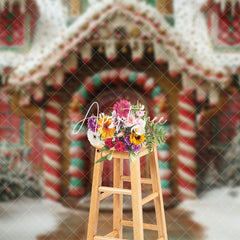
(50, 25)
(190, 24)
(187, 45)
(77, 33)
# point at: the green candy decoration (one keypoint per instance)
(84, 93)
(79, 163)
(77, 144)
(165, 183)
(163, 165)
(133, 77)
(156, 91)
(75, 182)
(97, 80)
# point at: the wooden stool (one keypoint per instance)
(99, 193)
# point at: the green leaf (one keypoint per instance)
(104, 148)
(106, 157)
(155, 128)
(109, 156)
(132, 156)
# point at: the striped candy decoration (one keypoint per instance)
(77, 155)
(164, 155)
(52, 148)
(187, 150)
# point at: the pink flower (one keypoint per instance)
(131, 120)
(140, 113)
(122, 108)
(140, 122)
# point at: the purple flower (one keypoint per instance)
(136, 148)
(126, 148)
(127, 140)
(92, 124)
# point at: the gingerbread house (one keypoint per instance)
(106, 50)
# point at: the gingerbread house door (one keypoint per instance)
(105, 89)
(106, 100)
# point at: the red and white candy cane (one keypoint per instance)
(52, 148)
(164, 155)
(187, 150)
(77, 153)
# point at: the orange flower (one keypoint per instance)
(104, 130)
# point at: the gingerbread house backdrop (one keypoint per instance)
(57, 57)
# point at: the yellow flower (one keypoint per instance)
(104, 123)
(137, 139)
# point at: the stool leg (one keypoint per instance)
(137, 200)
(117, 198)
(158, 202)
(95, 198)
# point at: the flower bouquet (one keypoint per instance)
(127, 129)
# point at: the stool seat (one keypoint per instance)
(100, 192)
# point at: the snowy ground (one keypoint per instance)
(219, 212)
(24, 219)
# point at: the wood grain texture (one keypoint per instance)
(136, 199)
(117, 198)
(158, 201)
(95, 199)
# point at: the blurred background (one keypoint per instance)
(180, 58)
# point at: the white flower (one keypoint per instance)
(94, 138)
(142, 107)
(138, 129)
(121, 134)
(114, 114)
(111, 125)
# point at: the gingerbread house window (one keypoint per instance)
(223, 24)
(11, 126)
(17, 26)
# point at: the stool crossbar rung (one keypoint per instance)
(149, 198)
(104, 195)
(145, 225)
(100, 192)
(115, 190)
(107, 238)
(143, 180)
(112, 234)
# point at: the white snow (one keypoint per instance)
(26, 218)
(219, 212)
